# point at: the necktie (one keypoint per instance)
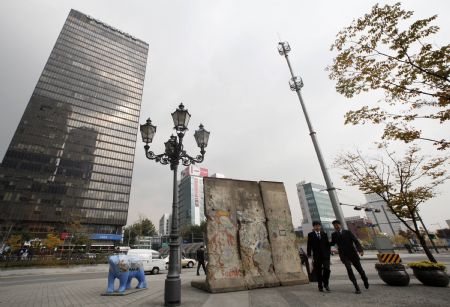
(318, 235)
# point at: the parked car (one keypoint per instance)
(185, 262)
(153, 263)
(90, 256)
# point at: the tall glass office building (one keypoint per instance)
(316, 206)
(71, 157)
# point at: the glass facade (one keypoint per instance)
(71, 157)
(316, 206)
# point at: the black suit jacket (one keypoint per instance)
(320, 248)
(200, 255)
(347, 243)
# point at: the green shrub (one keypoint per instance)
(427, 265)
(49, 263)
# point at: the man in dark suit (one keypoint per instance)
(319, 245)
(201, 260)
(346, 242)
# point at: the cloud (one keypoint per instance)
(220, 59)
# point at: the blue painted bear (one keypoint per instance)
(125, 268)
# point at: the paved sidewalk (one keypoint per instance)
(54, 270)
(82, 286)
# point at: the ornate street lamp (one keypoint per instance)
(174, 153)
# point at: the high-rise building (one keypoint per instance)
(165, 223)
(387, 222)
(192, 206)
(316, 206)
(71, 158)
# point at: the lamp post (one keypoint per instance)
(296, 83)
(174, 154)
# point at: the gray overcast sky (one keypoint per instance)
(220, 59)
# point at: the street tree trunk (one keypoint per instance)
(425, 247)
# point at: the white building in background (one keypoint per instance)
(387, 221)
(191, 196)
(217, 175)
(165, 223)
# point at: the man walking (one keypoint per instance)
(346, 242)
(201, 260)
(319, 245)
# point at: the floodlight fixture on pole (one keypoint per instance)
(296, 84)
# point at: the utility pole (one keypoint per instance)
(428, 234)
(387, 219)
(296, 84)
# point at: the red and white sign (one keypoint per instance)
(194, 171)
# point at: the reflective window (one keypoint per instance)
(72, 154)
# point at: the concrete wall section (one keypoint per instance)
(281, 234)
(224, 265)
(255, 250)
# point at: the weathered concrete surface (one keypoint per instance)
(281, 234)
(255, 250)
(250, 244)
(224, 265)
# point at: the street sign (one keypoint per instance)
(389, 258)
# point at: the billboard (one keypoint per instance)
(194, 171)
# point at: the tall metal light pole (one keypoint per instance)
(175, 152)
(296, 84)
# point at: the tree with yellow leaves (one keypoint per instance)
(389, 51)
(403, 183)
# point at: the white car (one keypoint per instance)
(185, 262)
(151, 259)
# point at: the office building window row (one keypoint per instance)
(65, 69)
(104, 214)
(65, 48)
(130, 50)
(104, 186)
(111, 178)
(48, 90)
(119, 134)
(96, 85)
(72, 101)
(92, 32)
(113, 170)
(103, 123)
(106, 205)
(112, 57)
(89, 89)
(60, 64)
(105, 117)
(103, 195)
(33, 138)
(86, 92)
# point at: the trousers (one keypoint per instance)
(322, 269)
(348, 262)
(201, 263)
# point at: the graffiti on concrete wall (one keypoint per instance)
(250, 236)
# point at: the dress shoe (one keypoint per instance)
(366, 283)
(357, 290)
(327, 288)
(321, 289)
